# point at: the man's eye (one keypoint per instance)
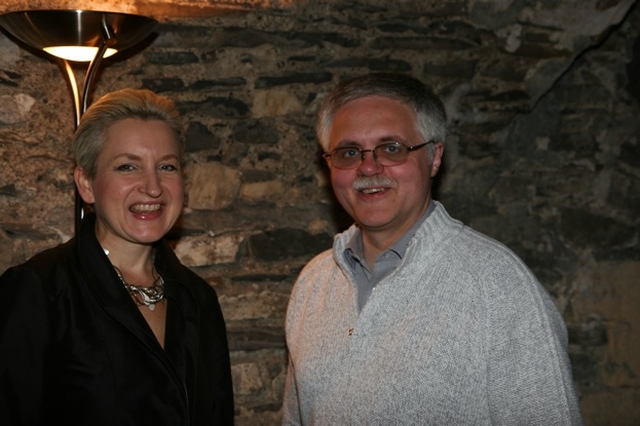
(392, 148)
(349, 152)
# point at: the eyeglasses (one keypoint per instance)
(386, 154)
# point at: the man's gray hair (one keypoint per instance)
(431, 118)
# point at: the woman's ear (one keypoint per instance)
(83, 183)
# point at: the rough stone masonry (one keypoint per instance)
(544, 104)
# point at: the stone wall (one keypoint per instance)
(544, 106)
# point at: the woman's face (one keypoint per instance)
(137, 192)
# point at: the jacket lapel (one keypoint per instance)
(105, 285)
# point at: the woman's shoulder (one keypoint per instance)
(46, 261)
(44, 273)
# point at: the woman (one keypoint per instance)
(110, 328)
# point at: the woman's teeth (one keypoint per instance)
(145, 208)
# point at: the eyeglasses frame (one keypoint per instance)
(328, 155)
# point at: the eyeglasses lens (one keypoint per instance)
(386, 154)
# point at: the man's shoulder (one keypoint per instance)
(485, 247)
(322, 259)
(319, 262)
(473, 250)
(315, 274)
(463, 239)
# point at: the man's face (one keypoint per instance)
(385, 201)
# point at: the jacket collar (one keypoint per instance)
(105, 285)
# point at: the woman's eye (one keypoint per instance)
(125, 167)
(169, 168)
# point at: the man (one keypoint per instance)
(414, 318)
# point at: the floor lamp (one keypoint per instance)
(78, 36)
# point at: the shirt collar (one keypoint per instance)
(354, 250)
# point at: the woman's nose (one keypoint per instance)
(151, 185)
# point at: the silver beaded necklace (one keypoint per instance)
(143, 296)
(147, 296)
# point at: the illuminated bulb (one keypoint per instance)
(77, 53)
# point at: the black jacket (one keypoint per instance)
(75, 350)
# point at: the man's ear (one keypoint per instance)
(437, 158)
(83, 183)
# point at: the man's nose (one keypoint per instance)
(369, 164)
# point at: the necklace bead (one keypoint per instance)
(147, 296)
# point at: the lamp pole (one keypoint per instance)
(81, 103)
(80, 106)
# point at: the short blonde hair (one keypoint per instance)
(114, 107)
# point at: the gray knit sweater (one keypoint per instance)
(461, 333)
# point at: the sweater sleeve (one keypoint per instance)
(529, 372)
(291, 408)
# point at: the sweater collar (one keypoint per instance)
(354, 249)
(429, 234)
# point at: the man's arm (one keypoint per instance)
(291, 407)
(530, 379)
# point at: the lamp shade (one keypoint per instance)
(81, 30)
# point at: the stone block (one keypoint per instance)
(270, 103)
(15, 108)
(223, 83)
(422, 43)
(172, 58)
(586, 229)
(6, 251)
(198, 138)
(294, 78)
(250, 336)
(254, 305)
(622, 361)
(246, 378)
(611, 407)
(212, 186)
(613, 292)
(160, 85)
(262, 191)
(206, 250)
(216, 107)
(286, 243)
